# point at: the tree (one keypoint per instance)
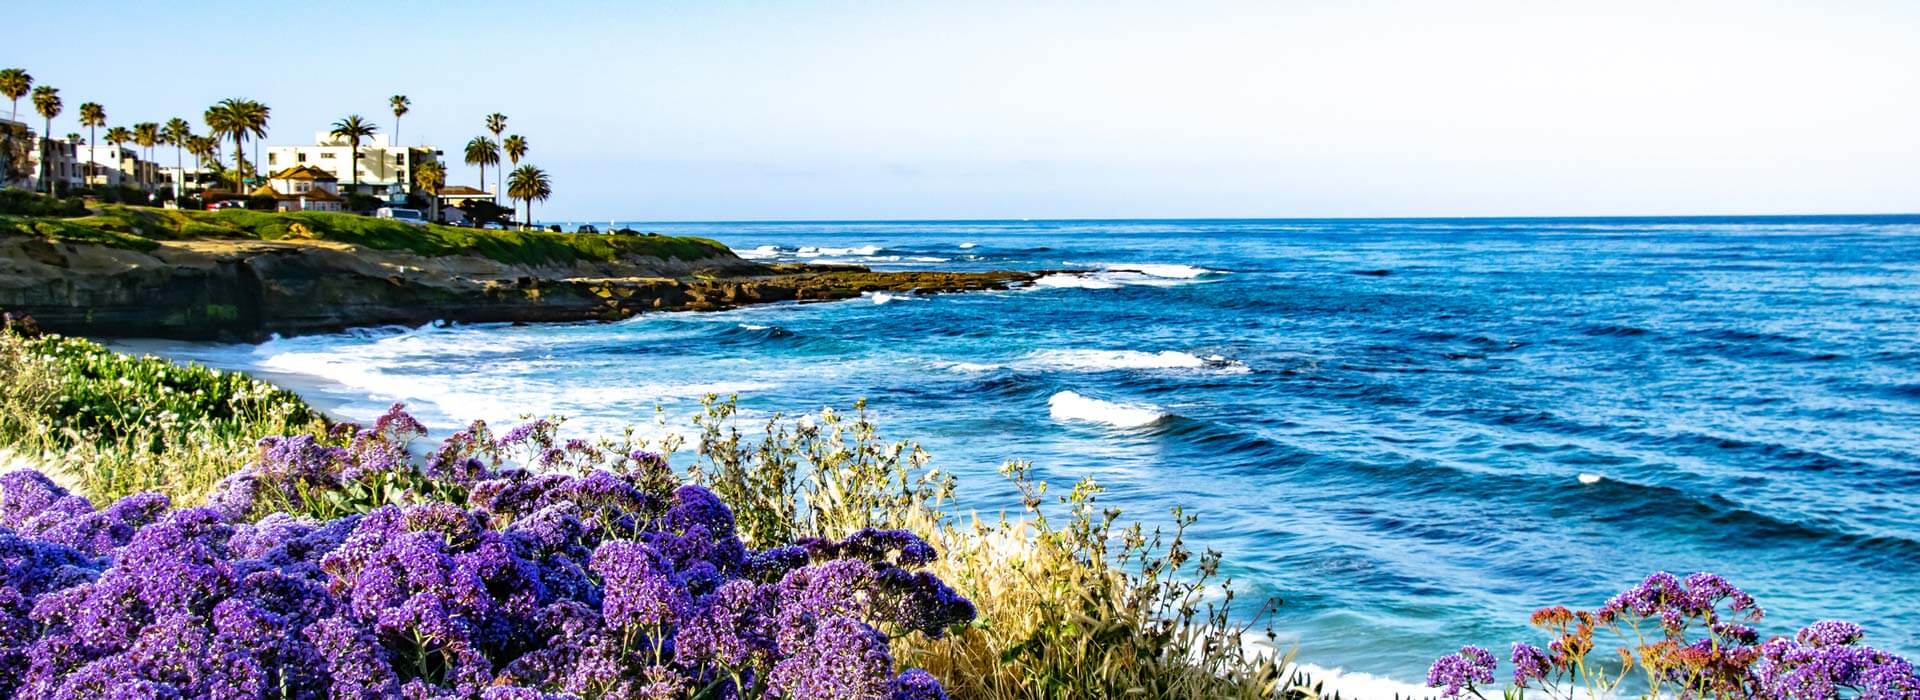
(116, 136)
(146, 134)
(529, 184)
(238, 118)
(14, 83)
(353, 128)
(46, 101)
(430, 177)
(92, 116)
(482, 152)
(496, 123)
(516, 148)
(400, 105)
(177, 133)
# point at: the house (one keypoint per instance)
(301, 179)
(300, 189)
(456, 195)
(386, 170)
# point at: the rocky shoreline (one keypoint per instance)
(246, 290)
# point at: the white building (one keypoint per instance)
(61, 164)
(386, 170)
(118, 166)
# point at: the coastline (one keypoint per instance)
(250, 290)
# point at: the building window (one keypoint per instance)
(303, 157)
(272, 158)
(326, 155)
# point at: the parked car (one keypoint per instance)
(411, 216)
(226, 204)
(586, 228)
(494, 226)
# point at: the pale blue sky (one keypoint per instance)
(983, 109)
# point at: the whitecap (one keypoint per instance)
(1070, 405)
(880, 297)
(968, 244)
(1089, 360)
(1590, 478)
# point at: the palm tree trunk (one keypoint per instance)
(46, 154)
(179, 173)
(89, 155)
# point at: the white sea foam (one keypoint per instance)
(1115, 275)
(1074, 281)
(754, 327)
(967, 245)
(760, 253)
(880, 297)
(1168, 271)
(817, 251)
(1088, 360)
(967, 367)
(1070, 405)
(1590, 479)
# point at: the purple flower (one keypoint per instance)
(732, 628)
(1829, 633)
(916, 684)
(1529, 664)
(641, 589)
(842, 659)
(1457, 673)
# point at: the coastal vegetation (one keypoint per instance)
(142, 228)
(811, 561)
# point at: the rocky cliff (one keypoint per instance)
(247, 289)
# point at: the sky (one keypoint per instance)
(981, 109)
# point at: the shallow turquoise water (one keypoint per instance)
(1414, 432)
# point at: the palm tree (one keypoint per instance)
(92, 115)
(353, 128)
(529, 184)
(238, 118)
(430, 177)
(400, 104)
(116, 136)
(482, 152)
(46, 101)
(14, 83)
(496, 123)
(146, 134)
(177, 132)
(74, 138)
(202, 149)
(516, 148)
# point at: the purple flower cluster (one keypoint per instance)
(1458, 673)
(1823, 661)
(588, 585)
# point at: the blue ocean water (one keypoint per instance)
(1412, 431)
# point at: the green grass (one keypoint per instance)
(139, 228)
(114, 424)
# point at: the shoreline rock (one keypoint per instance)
(246, 290)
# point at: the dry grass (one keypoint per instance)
(1073, 607)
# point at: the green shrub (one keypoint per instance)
(24, 203)
(116, 424)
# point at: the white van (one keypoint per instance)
(411, 216)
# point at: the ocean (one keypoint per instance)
(1413, 432)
